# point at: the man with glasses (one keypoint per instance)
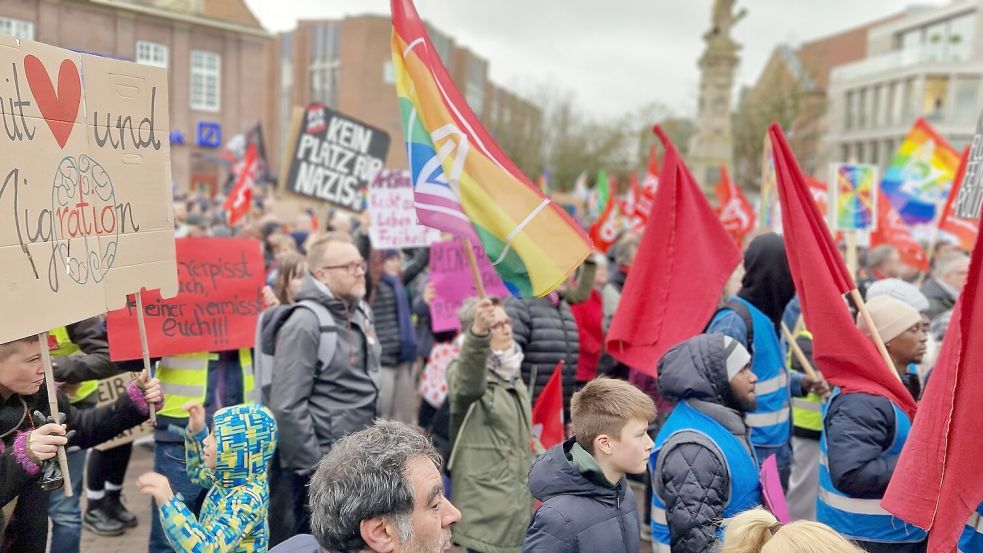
(316, 403)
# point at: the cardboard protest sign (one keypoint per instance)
(221, 282)
(451, 277)
(971, 188)
(85, 185)
(335, 157)
(394, 223)
(853, 196)
(110, 389)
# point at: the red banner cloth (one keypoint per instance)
(735, 212)
(221, 289)
(547, 414)
(892, 231)
(845, 356)
(684, 259)
(963, 229)
(938, 483)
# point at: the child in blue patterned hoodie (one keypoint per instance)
(232, 460)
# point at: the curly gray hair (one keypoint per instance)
(362, 477)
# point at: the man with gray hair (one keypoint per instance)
(378, 490)
(326, 369)
(949, 274)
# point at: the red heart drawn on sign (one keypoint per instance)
(58, 108)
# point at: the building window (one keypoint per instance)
(862, 109)
(474, 90)
(206, 69)
(934, 99)
(966, 99)
(910, 102)
(851, 109)
(388, 73)
(17, 28)
(151, 53)
(959, 39)
(324, 82)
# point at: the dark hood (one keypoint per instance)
(696, 369)
(553, 474)
(767, 280)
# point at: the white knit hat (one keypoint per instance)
(737, 357)
(899, 289)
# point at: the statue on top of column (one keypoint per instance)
(724, 18)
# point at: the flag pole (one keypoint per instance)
(797, 351)
(49, 380)
(146, 351)
(473, 263)
(869, 323)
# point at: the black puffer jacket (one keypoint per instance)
(860, 427)
(577, 515)
(385, 311)
(547, 333)
(691, 477)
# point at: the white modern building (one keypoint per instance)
(927, 63)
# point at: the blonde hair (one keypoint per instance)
(604, 406)
(751, 532)
(317, 253)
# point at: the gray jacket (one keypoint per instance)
(314, 406)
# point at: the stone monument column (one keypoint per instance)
(711, 144)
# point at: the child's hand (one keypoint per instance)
(155, 485)
(196, 417)
(151, 389)
(44, 442)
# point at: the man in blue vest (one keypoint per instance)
(863, 435)
(754, 319)
(703, 466)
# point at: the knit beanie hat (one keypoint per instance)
(899, 289)
(891, 317)
(736, 355)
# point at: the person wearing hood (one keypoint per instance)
(232, 460)
(754, 319)
(491, 429)
(587, 503)
(316, 405)
(703, 466)
(863, 435)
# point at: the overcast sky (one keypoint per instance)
(613, 55)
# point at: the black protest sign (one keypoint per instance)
(335, 157)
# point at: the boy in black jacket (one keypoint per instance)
(587, 503)
(28, 440)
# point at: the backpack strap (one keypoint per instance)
(329, 331)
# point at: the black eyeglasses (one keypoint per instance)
(500, 326)
(353, 268)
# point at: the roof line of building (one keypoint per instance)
(795, 64)
(184, 17)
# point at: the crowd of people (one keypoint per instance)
(317, 439)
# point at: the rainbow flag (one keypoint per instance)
(856, 189)
(462, 181)
(770, 213)
(919, 177)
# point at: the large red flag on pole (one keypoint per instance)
(684, 259)
(963, 229)
(938, 483)
(241, 196)
(846, 357)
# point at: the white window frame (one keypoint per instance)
(201, 74)
(18, 28)
(388, 72)
(152, 53)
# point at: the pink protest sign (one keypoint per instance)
(451, 277)
(772, 492)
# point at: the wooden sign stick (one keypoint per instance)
(475, 273)
(49, 381)
(797, 352)
(146, 351)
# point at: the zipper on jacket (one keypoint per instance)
(621, 518)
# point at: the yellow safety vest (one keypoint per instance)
(184, 378)
(66, 348)
(807, 412)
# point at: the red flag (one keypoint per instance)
(938, 482)
(846, 357)
(653, 164)
(241, 196)
(684, 259)
(547, 414)
(604, 231)
(735, 212)
(891, 230)
(963, 229)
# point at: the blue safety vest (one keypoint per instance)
(971, 540)
(771, 421)
(863, 519)
(745, 491)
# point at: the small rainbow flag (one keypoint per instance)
(919, 177)
(464, 184)
(855, 193)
